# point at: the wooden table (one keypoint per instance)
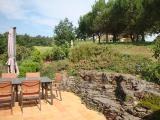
(44, 81)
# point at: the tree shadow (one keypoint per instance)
(153, 116)
(119, 92)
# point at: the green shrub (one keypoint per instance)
(28, 66)
(91, 56)
(87, 51)
(152, 72)
(31, 63)
(3, 58)
(156, 48)
(20, 54)
(150, 102)
(72, 72)
(51, 68)
(36, 56)
(57, 53)
(47, 55)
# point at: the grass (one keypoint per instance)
(42, 49)
(135, 49)
(132, 49)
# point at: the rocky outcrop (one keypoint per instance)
(115, 95)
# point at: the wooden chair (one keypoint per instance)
(6, 93)
(56, 84)
(10, 76)
(30, 90)
(33, 74)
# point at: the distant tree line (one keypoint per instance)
(25, 40)
(134, 18)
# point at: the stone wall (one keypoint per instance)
(115, 95)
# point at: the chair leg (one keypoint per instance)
(56, 93)
(46, 94)
(40, 103)
(60, 95)
(13, 101)
(11, 107)
(21, 102)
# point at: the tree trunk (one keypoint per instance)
(106, 37)
(137, 38)
(99, 38)
(93, 37)
(114, 38)
(143, 37)
(132, 37)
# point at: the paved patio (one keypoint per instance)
(70, 108)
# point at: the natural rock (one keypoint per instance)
(115, 95)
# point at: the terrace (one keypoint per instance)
(70, 108)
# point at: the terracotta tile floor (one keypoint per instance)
(70, 108)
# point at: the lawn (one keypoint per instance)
(42, 49)
(135, 49)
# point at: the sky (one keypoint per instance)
(38, 17)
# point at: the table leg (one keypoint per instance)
(42, 90)
(16, 90)
(51, 93)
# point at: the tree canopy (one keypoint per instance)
(134, 18)
(64, 32)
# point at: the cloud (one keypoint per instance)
(40, 14)
(12, 9)
(47, 11)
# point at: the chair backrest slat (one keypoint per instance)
(8, 75)
(5, 88)
(33, 74)
(31, 86)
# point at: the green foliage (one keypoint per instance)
(51, 68)
(56, 53)
(36, 56)
(3, 42)
(31, 63)
(26, 40)
(3, 58)
(156, 49)
(28, 66)
(20, 54)
(72, 72)
(91, 56)
(87, 51)
(64, 32)
(150, 102)
(151, 72)
(133, 18)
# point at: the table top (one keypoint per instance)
(17, 81)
